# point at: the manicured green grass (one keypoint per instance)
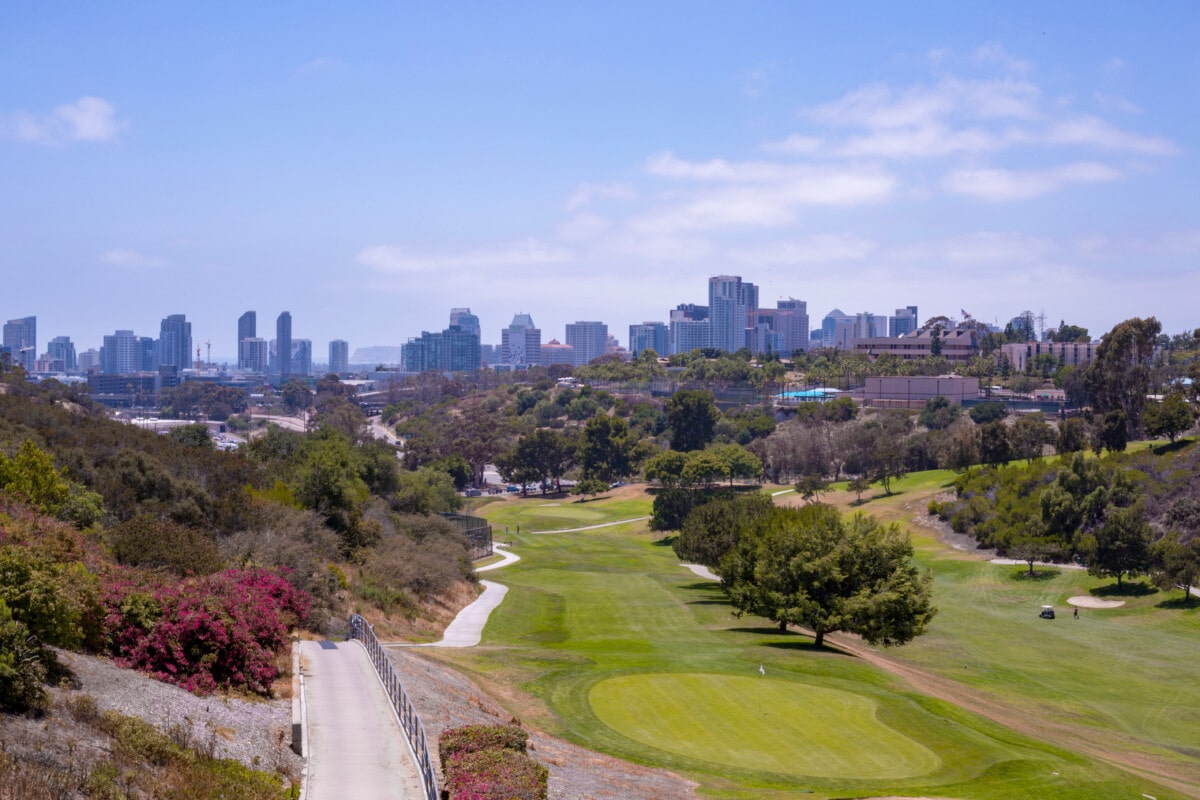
(615, 646)
(559, 513)
(760, 724)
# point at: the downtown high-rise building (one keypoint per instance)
(792, 322)
(20, 340)
(121, 353)
(283, 346)
(175, 342)
(257, 353)
(247, 329)
(464, 320)
(520, 344)
(590, 339)
(729, 301)
(339, 356)
(904, 322)
(649, 336)
(61, 348)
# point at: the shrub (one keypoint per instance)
(473, 738)
(22, 668)
(495, 775)
(222, 630)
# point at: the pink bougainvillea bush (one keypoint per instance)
(495, 774)
(472, 738)
(488, 762)
(218, 631)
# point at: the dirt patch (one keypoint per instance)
(1085, 601)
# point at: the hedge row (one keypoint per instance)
(488, 762)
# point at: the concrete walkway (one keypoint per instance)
(467, 628)
(355, 745)
(701, 571)
(591, 527)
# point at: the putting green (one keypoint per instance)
(760, 724)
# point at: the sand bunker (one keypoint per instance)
(1084, 601)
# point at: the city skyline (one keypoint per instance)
(370, 168)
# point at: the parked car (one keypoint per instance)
(616, 484)
(512, 489)
(472, 493)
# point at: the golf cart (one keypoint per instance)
(1047, 612)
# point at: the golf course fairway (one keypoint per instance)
(760, 724)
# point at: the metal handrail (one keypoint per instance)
(364, 632)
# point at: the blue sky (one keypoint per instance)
(369, 168)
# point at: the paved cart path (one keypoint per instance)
(356, 748)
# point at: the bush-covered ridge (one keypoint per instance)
(1122, 515)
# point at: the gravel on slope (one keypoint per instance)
(255, 732)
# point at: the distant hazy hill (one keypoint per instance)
(376, 355)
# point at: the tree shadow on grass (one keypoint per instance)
(805, 644)
(1171, 447)
(1179, 603)
(1126, 589)
(1043, 574)
(665, 541)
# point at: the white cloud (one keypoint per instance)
(583, 227)
(88, 119)
(1114, 102)
(755, 194)
(132, 259)
(994, 53)
(1088, 130)
(586, 192)
(879, 106)
(794, 145)
(819, 248)
(1008, 248)
(526, 253)
(1002, 185)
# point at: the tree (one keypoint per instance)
(939, 413)
(1176, 562)
(712, 528)
(1119, 377)
(1169, 418)
(1070, 333)
(808, 567)
(692, 416)
(1120, 546)
(994, 447)
(607, 450)
(703, 468)
(1029, 435)
(1112, 433)
(193, 436)
(666, 468)
(295, 396)
(589, 487)
(1072, 436)
(961, 449)
(857, 486)
(738, 462)
(811, 485)
(988, 411)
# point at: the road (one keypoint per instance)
(356, 748)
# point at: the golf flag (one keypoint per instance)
(761, 671)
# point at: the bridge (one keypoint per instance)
(357, 729)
